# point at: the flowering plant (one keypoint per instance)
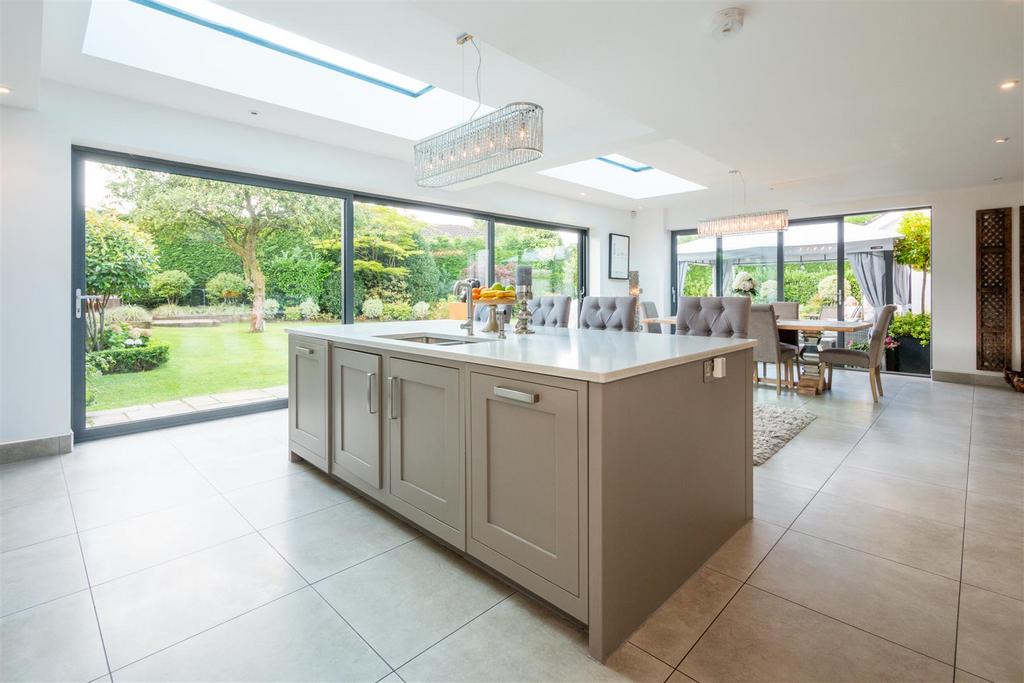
(891, 342)
(744, 284)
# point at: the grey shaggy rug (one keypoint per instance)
(774, 427)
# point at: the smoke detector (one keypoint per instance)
(727, 22)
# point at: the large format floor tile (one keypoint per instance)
(519, 640)
(905, 605)
(152, 609)
(996, 516)
(40, 572)
(158, 490)
(937, 503)
(30, 481)
(765, 638)
(672, 630)
(404, 601)
(246, 469)
(34, 522)
(56, 641)
(119, 549)
(915, 541)
(995, 563)
(778, 503)
(296, 638)
(279, 500)
(741, 554)
(990, 635)
(927, 468)
(325, 542)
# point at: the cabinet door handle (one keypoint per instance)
(306, 350)
(396, 402)
(371, 379)
(516, 395)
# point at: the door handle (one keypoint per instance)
(371, 379)
(395, 383)
(79, 298)
(516, 395)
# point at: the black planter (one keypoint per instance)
(911, 357)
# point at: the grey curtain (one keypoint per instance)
(869, 267)
(901, 285)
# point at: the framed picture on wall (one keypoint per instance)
(618, 256)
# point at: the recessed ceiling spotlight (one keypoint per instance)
(1000, 141)
(4, 90)
(583, 194)
(253, 112)
(1009, 85)
(727, 22)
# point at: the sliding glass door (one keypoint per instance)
(185, 278)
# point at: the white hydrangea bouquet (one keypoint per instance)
(744, 284)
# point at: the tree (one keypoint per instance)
(242, 218)
(118, 258)
(171, 285)
(915, 249)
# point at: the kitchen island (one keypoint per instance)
(596, 470)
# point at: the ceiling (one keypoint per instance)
(815, 102)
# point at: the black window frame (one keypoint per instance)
(81, 154)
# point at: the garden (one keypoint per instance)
(193, 281)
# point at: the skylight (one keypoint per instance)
(623, 176)
(204, 43)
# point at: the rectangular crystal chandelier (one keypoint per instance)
(506, 137)
(744, 223)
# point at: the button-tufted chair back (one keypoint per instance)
(549, 311)
(648, 309)
(713, 316)
(608, 313)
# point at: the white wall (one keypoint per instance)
(952, 281)
(35, 219)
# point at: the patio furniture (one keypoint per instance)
(713, 316)
(608, 313)
(769, 349)
(549, 311)
(871, 359)
(649, 311)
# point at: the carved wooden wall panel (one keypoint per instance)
(994, 288)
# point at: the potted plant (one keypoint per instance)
(912, 333)
(744, 284)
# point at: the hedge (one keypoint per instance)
(131, 359)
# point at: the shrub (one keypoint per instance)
(95, 366)
(398, 310)
(171, 285)
(292, 313)
(421, 310)
(225, 287)
(271, 307)
(309, 308)
(128, 314)
(134, 359)
(297, 275)
(373, 308)
(916, 325)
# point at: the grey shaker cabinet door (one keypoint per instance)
(356, 443)
(425, 444)
(525, 475)
(307, 399)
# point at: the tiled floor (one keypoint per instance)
(189, 404)
(887, 544)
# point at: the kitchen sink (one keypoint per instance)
(432, 339)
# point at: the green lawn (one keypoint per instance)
(204, 360)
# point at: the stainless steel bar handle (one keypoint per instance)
(371, 379)
(306, 350)
(395, 388)
(516, 395)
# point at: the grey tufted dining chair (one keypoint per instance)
(549, 311)
(871, 360)
(649, 309)
(713, 316)
(769, 349)
(608, 313)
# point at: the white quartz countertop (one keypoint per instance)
(590, 355)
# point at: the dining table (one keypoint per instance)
(812, 379)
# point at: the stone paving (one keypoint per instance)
(190, 404)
